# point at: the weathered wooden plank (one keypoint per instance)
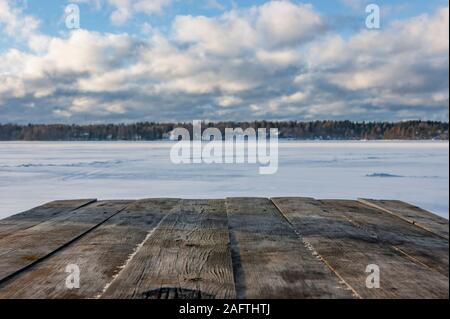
(334, 233)
(416, 243)
(413, 214)
(269, 258)
(186, 256)
(27, 247)
(39, 214)
(99, 255)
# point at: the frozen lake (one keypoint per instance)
(34, 173)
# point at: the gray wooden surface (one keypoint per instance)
(187, 254)
(226, 248)
(39, 214)
(342, 236)
(270, 259)
(29, 246)
(413, 214)
(415, 243)
(100, 255)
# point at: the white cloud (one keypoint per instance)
(241, 64)
(214, 4)
(276, 59)
(228, 100)
(93, 105)
(14, 22)
(125, 9)
(283, 23)
(229, 34)
(389, 60)
(273, 25)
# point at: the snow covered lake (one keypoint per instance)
(34, 173)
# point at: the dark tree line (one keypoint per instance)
(325, 130)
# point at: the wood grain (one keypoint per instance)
(30, 246)
(234, 248)
(39, 214)
(416, 243)
(100, 255)
(269, 258)
(412, 214)
(186, 256)
(339, 234)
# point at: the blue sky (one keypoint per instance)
(172, 60)
(51, 12)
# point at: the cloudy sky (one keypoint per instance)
(173, 60)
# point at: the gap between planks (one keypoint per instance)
(28, 263)
(39, 215)
(273, 260)
(417, 216)
(348, 243)
(233, 258)
(315, 253)
(98, 254)
(187, 254)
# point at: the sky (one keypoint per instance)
(216, 60)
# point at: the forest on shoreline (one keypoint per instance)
(148, 131)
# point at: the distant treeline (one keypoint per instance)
(319, 130)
